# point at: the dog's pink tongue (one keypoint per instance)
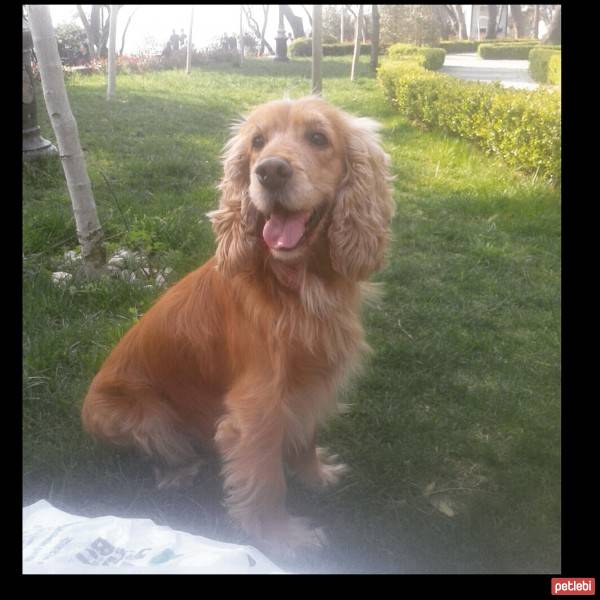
(283, 231)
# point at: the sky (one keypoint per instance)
(158, 21)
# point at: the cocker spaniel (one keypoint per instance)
(244, 355)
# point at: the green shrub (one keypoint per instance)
(434, 57)
(513, 51)
(456, 46)
(303, 47)
(300, 47)
(539, 59)
(554, 69)
(521, 126)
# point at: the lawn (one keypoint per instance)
(453, 435)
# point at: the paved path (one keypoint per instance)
(510, 73)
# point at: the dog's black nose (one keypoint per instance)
(273, 172)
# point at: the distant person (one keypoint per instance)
(83, 56)
(174, 41)
(182, 38)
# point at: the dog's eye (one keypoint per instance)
(317, 139)
(258, 141)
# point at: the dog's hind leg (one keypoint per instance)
(132, 414)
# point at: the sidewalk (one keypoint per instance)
(510, 73)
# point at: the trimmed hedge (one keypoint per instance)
(554, 65)
(303, 47)
(518, 51)
(521, 126)
(455, 46)
(539, 59)
(434, 57)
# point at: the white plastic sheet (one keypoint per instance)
(57, 542)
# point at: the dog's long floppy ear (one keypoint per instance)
(360, 229)
(234, 222)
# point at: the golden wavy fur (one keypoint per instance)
(245, 355)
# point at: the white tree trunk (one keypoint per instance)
(89, 231)
(241, 35)
(188, 64)
(112, 52)
(342, 25)
(317, 48)
(356, 43)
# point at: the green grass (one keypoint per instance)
(454, 432)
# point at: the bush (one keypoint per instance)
(512, 51)
(554, 69)
(434, 57)
(456, 46)
(521, 126)
(303, 47)
(539, 59)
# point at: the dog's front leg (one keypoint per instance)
(250, 442)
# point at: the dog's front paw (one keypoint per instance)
(324, 472)
(293, 538)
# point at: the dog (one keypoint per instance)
(245, 355)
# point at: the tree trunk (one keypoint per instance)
(125, 31)
(462, 25)
(375, 38)
(310, 21)
(89, 231)
(258, 32)
(518, 19)
(112, 54)
(343, 11)
(554, 33)
(536, 22)
(241, 35)
(188, 62)
(317, 48)
(453, 18)
(492, 22)
(88, 31)
(356, 43)
(294, 21)
(263, 41)
(363, 29)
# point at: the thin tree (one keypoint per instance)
(317, 48)
(492, 25)
(125, 30)
(343, 10)
(518, 20)
(536, 22)
(241, 35)
(188, 63)
(112, 52)
(294, 21)
(356, 43)
(449, 10)
(97, 29)
(462, 25)
(554, 32)
(89, 231)
(375, 37)
(256, 29)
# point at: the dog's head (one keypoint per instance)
(301, 179)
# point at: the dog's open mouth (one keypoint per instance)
(285, 230)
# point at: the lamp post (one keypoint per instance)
(34, 145)
(281, 40)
